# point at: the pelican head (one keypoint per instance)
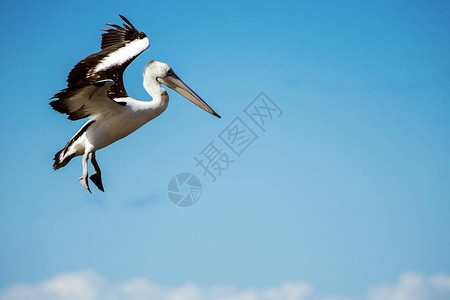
(163, 74)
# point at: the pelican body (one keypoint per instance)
(95, 90)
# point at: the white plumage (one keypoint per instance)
(95, 90)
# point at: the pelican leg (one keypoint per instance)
(97, 177)
(83, 179)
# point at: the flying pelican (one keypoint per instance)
(95, 90)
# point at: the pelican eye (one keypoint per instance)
(169, 72)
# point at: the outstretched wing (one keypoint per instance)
(88, 100)
(119, 47)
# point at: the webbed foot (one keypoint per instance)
(97, 180)
(85, 184)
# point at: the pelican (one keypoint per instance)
(95, 91)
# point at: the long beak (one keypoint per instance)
(176, 84)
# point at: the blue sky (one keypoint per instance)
(347, 189)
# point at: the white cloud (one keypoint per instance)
(91, 286)
(413, 286)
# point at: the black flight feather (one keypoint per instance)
(84, 74)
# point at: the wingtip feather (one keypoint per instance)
(126, 21)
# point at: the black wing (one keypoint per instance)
(119, 47)
(117, 36)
